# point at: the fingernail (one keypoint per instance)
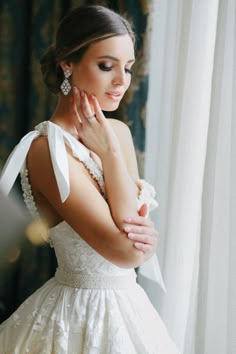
(128, 219)
(82, 93)
(76, 91)
(93, 97)
(130, 235)
(127, 228)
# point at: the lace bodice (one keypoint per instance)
(73, 253)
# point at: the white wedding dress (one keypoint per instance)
(90, 306)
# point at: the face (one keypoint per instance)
(105, 70)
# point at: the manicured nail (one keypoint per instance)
(127, 228)
(128, 219)
(130, 235)
(76, 91)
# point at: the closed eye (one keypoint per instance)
(129, 71)
(105, 67)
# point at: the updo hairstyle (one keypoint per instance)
(80, 28)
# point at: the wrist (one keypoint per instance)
(110, 153)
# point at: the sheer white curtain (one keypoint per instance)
(191, 160)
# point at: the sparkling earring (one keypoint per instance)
(65, 86)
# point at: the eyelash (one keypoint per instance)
(103, 67)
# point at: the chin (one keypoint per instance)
(108, 107)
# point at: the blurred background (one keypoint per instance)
(181, 109)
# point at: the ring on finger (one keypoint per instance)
(92, 116)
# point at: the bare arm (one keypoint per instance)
(97, 134)
(85, 210)
(140, 229)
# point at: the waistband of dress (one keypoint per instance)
(85, 281)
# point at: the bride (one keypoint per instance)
(79, 174)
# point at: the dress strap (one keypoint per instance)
(57, 138)
(16, 161)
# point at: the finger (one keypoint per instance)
(143, 210)
(143, 247)
(139, 220)
(150, 240)
(88, 111)
(97, 109)
(141, 230)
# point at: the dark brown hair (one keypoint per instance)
(81, 27)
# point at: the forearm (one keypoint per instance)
(121, 190)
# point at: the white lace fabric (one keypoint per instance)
(63, 320)
(63, 317)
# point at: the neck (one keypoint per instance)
(62, 115)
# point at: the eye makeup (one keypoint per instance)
(105, 67)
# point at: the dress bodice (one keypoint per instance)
(75, 255)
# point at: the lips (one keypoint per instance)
(114, 95)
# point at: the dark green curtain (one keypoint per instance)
(27, 28)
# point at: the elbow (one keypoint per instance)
(130, 258)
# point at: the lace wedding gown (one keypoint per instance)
(90, 306)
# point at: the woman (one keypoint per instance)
(80, 174)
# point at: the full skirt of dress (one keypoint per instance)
(59, 319)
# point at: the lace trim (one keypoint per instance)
(30, 202)
(146, 195)
(96, 173)
(27, 193)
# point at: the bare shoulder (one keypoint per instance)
(41, 168)
(118, 124)
(38, 152)
(38, 144)
(122, 130)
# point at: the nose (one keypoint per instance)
(120, 78)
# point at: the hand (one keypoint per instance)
(143, 232)
(95, 132)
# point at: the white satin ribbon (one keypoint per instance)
(59, 160)
(15, 162)
(57, 138)
(151, 270)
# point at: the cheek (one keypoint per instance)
(91, 81)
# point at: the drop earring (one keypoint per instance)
(65, 86)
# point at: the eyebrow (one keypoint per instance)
(114, 58)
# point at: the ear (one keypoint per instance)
(66, 66)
